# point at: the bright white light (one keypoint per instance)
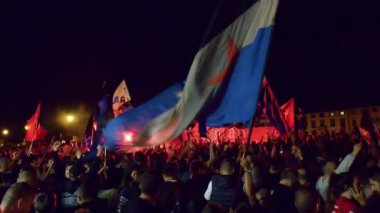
(26, 127)
(341, 113)
(70, 118)
(128, 137)
(332, 114)
(5, 132)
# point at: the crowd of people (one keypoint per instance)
(317, 173)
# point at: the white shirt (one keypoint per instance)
(207, 194)
(323, 182)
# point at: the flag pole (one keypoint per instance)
(211, 24)
(92, 131)
(35, 128)
(105, 156)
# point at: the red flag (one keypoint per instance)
(288, 111)
(34, 131)
(40, 133)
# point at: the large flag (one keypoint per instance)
(235, 59)
(288, 111)
(120, 98)
(34, 131)
(121, 131)
(272, 109)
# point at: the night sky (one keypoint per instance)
(325, 53)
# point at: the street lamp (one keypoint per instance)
(5, 132)
(70, 118)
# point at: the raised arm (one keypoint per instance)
(248, 181)
(346, 163)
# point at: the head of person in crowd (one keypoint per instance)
(137, 172)
(303, 177)
(227, 167)
(197, 168)
(44, 203)
(262, 196)
(306, 200)
(125, 160)
(156, 162)
(35, 161)
(288, 178)
(85, 194)
(169, 172)
(275, 167)
(29, 176)
(182, 167)
(140, 159)
(18, 199)
(329, 168)
(374, 182)
(73, 172)
(150, 184)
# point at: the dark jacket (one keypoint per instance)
(169, 196)
(223, 190)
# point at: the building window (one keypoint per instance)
(313, 124)
(322, 122)
(312, 116)
(332, 122)
(343, 123)
(341, 113)
(378, 120)
(374, 109)
(354, 123)
(321, 115)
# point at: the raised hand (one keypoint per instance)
(100, 150)
(56, 146)
(357, 148)
(245, 164)
(358, 195)
(50, 164)
(15, 155)
(78, 154)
